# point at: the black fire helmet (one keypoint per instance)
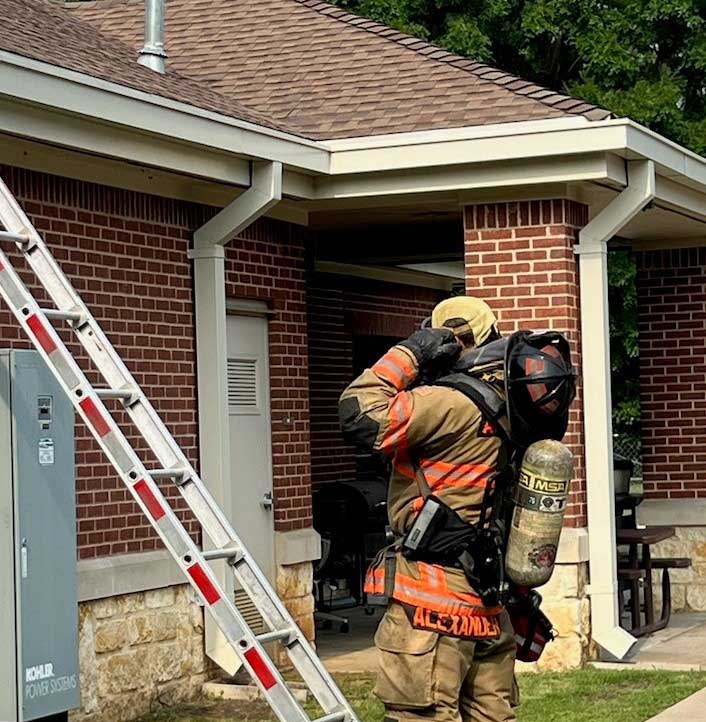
(540, 383)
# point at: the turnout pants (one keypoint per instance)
(428, 677)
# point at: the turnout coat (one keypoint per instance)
(441, 432)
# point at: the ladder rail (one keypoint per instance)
(142, 413)
(164, 446)
(145, 491)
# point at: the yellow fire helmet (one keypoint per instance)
(465, 315)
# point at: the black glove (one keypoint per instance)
(433, 347)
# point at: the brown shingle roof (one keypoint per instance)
(324, 73)
(40, 30)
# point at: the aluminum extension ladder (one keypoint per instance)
(123, 389)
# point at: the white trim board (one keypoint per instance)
(126, 574)
(37, 82)
(142, 572)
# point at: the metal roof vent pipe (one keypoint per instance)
(152, 54)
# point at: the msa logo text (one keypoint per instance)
(39, 671)
(546, 486)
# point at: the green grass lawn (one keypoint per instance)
(583, 696)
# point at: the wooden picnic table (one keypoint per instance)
(639, 566)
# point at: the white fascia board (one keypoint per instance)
(31, 81)
(472, 176)
(671, 159)
(74, 110)
(679, 197)
(394, 274)
(62, 130)
(516, 141)
(545, 140)
(217, 188)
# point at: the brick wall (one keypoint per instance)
(519, 257)
(339, 309)
(671, 288)
(125, 253)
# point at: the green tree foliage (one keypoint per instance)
(624, 358)
(644, 59)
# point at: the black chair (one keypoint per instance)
(323, 579)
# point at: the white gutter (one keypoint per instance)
(208, 255)
(598, 428)
(504, 142)
(32, 81)
(74, 110)
(444, 135)
(26, 80)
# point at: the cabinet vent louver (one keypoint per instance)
(242, 383)
(249, 611)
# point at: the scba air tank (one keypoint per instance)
(541, 497)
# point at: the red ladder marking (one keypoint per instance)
(205, 585)
(95, 417)
(41, 334)
(150, 500)
(260, 668)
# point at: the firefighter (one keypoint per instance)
(446, 653)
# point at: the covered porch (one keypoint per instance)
(537, 250)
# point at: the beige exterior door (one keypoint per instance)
(250, 442)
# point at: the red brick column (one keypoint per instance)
(519, 257)
(671, 287)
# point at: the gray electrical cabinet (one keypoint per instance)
(39, 677)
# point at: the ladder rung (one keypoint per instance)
(276, 635)
(233, 554)
(333, 717)
(14, 237)
(172, 463)
(55, 315)
(168, 474)
(123, 394)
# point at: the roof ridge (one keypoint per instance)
(487, 73)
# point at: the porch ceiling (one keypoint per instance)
(428, 211)
(664, 228)
(667, 222)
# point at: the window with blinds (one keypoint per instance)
(242, 385)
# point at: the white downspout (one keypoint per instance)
(598, 427)
(208, 255)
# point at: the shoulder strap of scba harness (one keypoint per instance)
(493, 407)
(491, 404)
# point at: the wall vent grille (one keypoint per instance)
(242, 383)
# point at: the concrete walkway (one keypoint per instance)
(691, 709)
(681, 647)
(353, 651)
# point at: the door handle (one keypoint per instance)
(24, 561)
(267, 501)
